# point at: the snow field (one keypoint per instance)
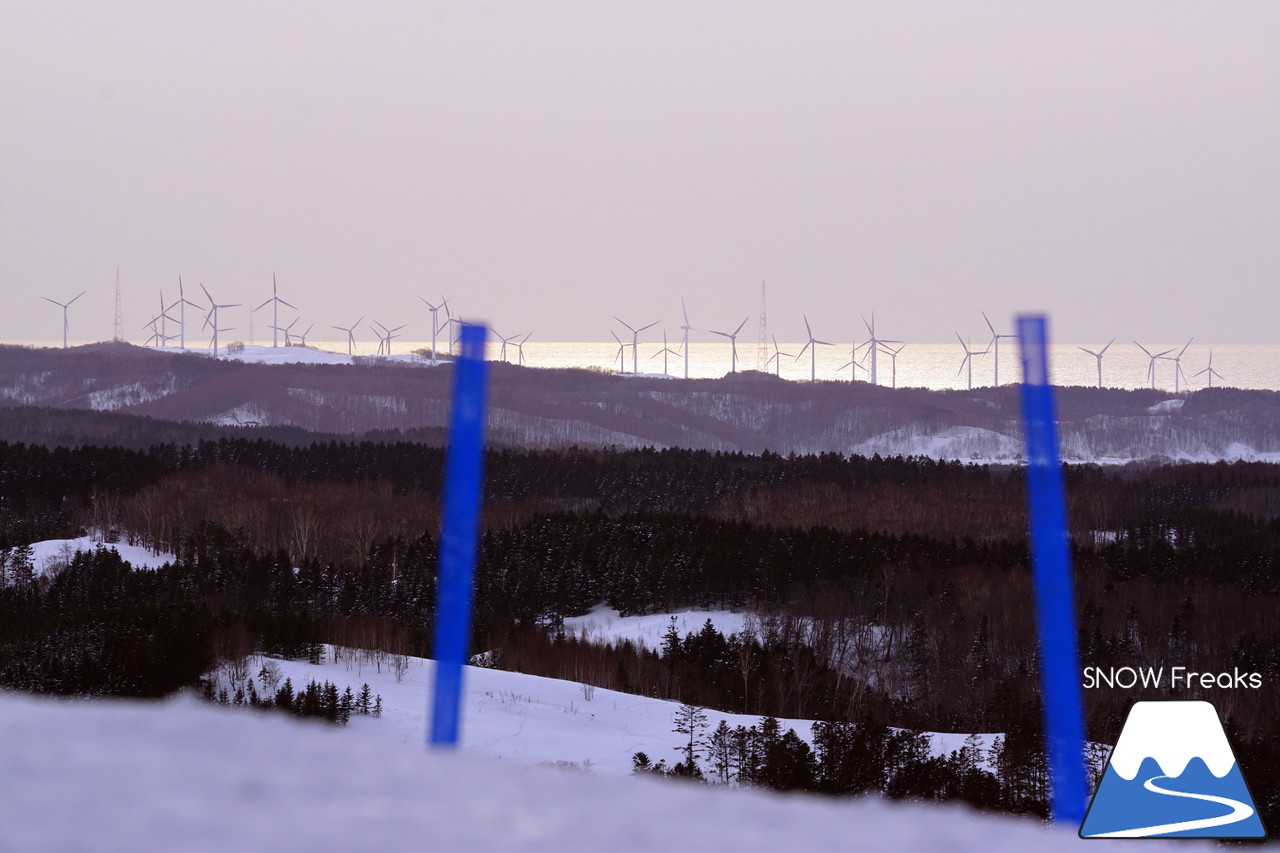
(184, 776)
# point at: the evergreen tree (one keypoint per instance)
(690, 721)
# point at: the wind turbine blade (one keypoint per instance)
(642, 328)
(962, 343)
(615, 337)
(47, 299)
(633, 331)
(740, 325)
(81, 293)
(824, 343)
(1184, 349)
(1144, 349)
(1109, 343)
(807, 330)
(1091, 352)
(806, 346)
(725, 334)
(685, 311)
(989, 326)
(290, 304)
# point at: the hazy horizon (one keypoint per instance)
(548, 165)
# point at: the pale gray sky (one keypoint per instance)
(548, 164)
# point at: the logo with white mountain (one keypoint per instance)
(1172, 775)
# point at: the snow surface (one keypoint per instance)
(529, 719)
(605, 625)
(182, 776)
(52, 555)
(258, 354)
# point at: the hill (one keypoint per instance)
(540, 408)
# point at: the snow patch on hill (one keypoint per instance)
(52, 555)
(604, 625)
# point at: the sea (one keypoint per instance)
(917, 365)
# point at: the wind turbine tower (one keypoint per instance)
(812, 346)
(183, 302)
(351, 337)
(664, 352)
(275, 312)
(762, 346)
(733, 342)
(635, 342)
(1209, 370)
(686, 328)
(777, 357)
(119, 310)
(435, 325)
(893, 354)
(995, 342)
(214, 307)
(875, 344)
(1177, 367)
(1151, 364)
(64, 307)
(1098, 355)
(968, 358)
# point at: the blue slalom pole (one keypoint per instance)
(459, 531)
(1055, 595)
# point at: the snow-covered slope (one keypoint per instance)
(526, 718)
(605, 625)
(52, 555)
(179, 776)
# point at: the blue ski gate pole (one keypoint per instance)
(459, 530)
(1055, 595)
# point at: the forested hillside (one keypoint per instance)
(886, 591)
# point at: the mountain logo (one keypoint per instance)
(1172, 775)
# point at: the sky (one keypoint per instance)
(550, 164)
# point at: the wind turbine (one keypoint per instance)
(275, 311)
(1177, 366)
(520, 346)
(875, 344)
(664, 352)
(1209, 370)
(505, 341)
(435, 326)
(893, 354)
(288, 335)
(777, 357)
(622, 365)
(213, 313)
(1151, 366)
(733, 341)
(852, 364)
(812, 346)
(635, 342)
(686, 328)
(1098, 355)
(995, 340)
(182, 303)
(303, 336)
(968, 358)
(384, 340)
(351, 338)
(163, 332)
(64, 307)
(159, 337)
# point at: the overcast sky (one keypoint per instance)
(549, 164)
